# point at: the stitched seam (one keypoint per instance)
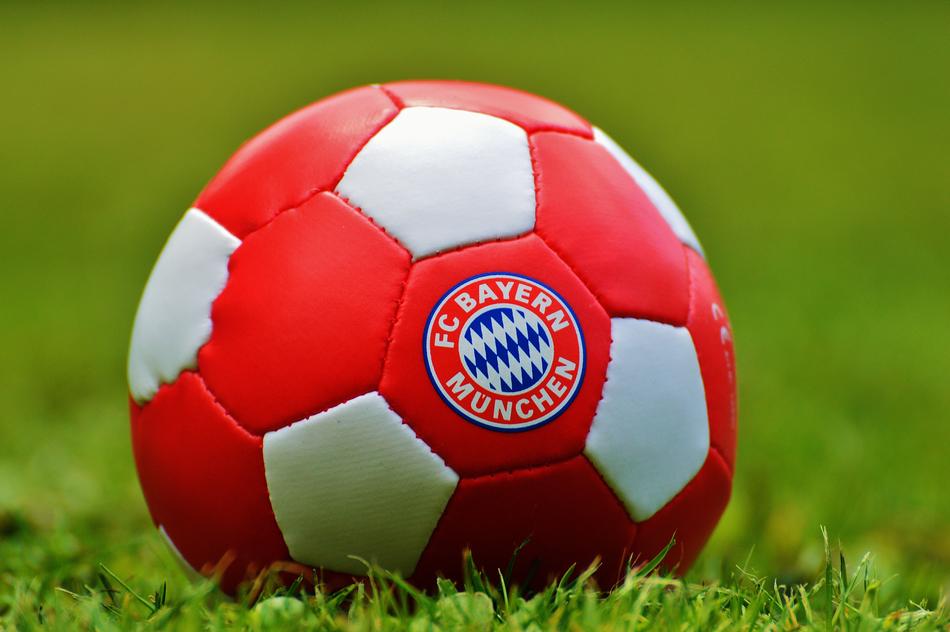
(532, 150)
(655, 319)
(633, 524)
(536, 171)
(355, 391)
(712, 450)
(536, 177)
(401, 297)
(686, 245)
(445, 510)
(690, 284)
(589, 135)
(613, 492)
(475, 244)
(372, 221)
(535, 468)
(197, 364)
(311, 193)
(560, 255)
(729, 468)
(462, 476)
(400, 301)
(362, 145)
(603, 389)
(285, 423)
(502, 239)
(223, 408)
(214, 399)
(399, 103)
(438, 523)
(529, 131)
(306, 197)
(567, 264)
(527, 468)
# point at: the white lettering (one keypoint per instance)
(465, 301)
(565, 368)
(505, 288)
(724, 336)
(446, 325)
(485, 292)
(442, 340)
(542, 400)
(557, 320)
(485, 398)
(502, 409)
(556, 387)
(522, 293)
(459, 388)
(526, 413)
(541, 301)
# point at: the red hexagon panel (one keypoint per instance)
(303, 153)
(434, 410)
(303, 321)
(708, 324)
(530, 111)
(559, 515)
(593, 214)
(203, 479)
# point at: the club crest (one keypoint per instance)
(504, 351)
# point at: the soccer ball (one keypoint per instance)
(423, 317)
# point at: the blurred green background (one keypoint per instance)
(807, 143)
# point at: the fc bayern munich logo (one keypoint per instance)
(504, 351)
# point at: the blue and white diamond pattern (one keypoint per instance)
(506, 349)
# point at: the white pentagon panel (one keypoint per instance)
(355, 481)
(438, 178)
(174, 315)
(650, 433)
(657, 194)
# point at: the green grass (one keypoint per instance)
(840, 600)
(806, 143)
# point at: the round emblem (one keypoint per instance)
(504, 351)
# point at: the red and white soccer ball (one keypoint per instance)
(422, 317)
